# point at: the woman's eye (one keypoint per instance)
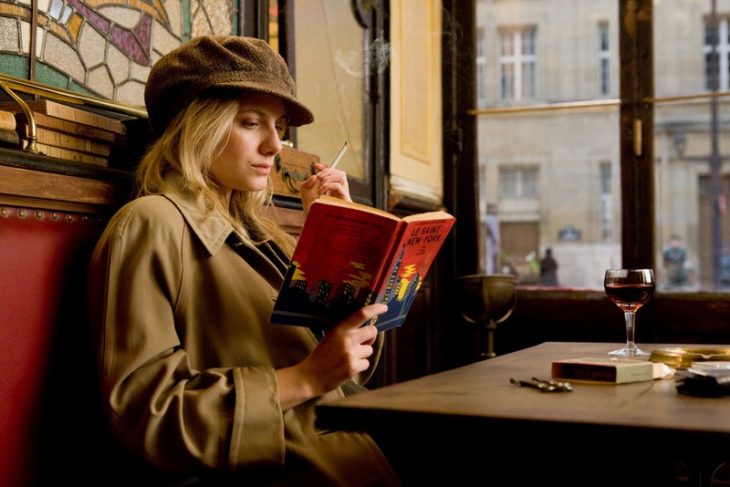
(249, 124)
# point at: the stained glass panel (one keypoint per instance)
(103, 48)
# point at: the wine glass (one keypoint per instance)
(629, 289)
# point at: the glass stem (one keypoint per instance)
(629, 316)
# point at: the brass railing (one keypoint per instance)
(577, 105)
(11, 85)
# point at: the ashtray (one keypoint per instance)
(682, 358)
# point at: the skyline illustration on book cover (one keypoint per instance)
(352, 255)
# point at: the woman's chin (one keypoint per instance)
(259, 184)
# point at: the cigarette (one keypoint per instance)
(339, 155)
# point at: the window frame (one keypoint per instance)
(517, 59)
(587, 315)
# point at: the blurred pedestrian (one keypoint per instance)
(675, 259)
(548, 269)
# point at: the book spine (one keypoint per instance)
(584, 372)
(9, 138)
(73, 128)
(77, 115)
(66, 141)
(7, 120)
(71, 155)
(380, 279)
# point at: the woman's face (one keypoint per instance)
(247, 158)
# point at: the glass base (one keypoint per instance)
(627, 352)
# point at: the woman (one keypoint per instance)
(196, 381)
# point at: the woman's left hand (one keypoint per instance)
(325, 180)
(343, 353)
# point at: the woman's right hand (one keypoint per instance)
(343, 353)
(325, 180)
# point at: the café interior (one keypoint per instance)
(597, 131)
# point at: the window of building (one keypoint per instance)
(717, 33)
(481, 60)
(518, 63)
(604, 60)
(518, 182)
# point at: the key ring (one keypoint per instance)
(543, 385)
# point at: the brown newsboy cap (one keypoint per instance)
(219, 63)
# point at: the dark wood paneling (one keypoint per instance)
(461, 180)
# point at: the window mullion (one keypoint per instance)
(637, 128)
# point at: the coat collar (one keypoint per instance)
(211, 228)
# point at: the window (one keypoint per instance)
(607, 197)
(719, 36)
(334, 56)
(545, 165)
(691, 142)
(517, 63)
(481, 69)
(518, 182)
(604, 59)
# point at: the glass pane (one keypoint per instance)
(549, 169)
(102, 49)
(331, 76)
(692, 144)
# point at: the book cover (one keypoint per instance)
(413, 255)
(9, 138)
(68, 141)
(74, 114)
(7, 120)
(349, 255)
(614, 370)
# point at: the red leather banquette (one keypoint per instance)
(50, 429)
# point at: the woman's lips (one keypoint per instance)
(262, 169)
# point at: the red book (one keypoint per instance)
(349, 255)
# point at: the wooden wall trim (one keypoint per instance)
(94, 193)
(38, 189)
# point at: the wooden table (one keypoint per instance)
(471, 422)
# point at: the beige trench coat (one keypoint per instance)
(187, 355)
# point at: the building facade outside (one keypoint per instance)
(550, 163)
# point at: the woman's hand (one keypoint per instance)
(343, 353)
(325, 180)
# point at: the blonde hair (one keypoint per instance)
(191, 142)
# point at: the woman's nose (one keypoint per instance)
(272, 144)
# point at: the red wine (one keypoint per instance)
(630, 296)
